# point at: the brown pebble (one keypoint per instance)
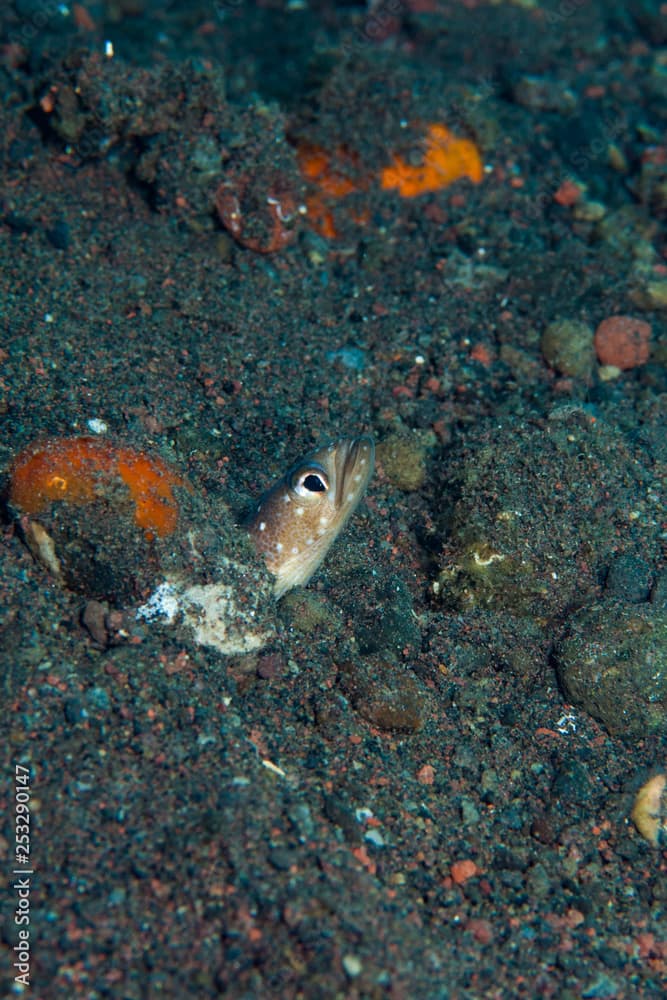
(384, 693)
(269, 665)
(93, 620)
(542, 830)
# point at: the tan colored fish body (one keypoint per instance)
(298, 520)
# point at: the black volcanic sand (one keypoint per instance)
(421, 786)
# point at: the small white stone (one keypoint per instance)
(352, 966)
(163, 603)
(97, 426)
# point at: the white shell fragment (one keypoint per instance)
(218, 621)
(220, 615)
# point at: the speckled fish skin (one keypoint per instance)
(298, 520)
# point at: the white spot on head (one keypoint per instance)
(357, 477)
(287, 498)
(295, 549)
(299, 511)
(324, 520)
(309, 541)
(350, 497)
(279, 546)
(262, 525)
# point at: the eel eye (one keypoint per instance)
(310, 481)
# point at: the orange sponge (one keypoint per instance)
(79, 469)
(447, 158)
(332, 176)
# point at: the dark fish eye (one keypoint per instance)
(310, 481)
(314, 483)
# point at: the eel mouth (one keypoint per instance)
(355, 461)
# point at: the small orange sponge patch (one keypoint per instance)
(447, 158)
(79, 469)
(333, 176)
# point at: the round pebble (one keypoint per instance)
(623, 341)
(567, 346)
(352, 966)
(403, 459)
(612, 663)
(629, 579)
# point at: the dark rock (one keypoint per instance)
(612, 663)
(629, 579)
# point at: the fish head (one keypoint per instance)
(297, 521)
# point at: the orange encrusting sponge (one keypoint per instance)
(447, 158)
(77, 470)
(332, 177)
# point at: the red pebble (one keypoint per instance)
(426, 775)
(461, 871)
(623, 341)
(481, 930)
(269, 665)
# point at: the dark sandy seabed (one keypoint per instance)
(421, 786)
